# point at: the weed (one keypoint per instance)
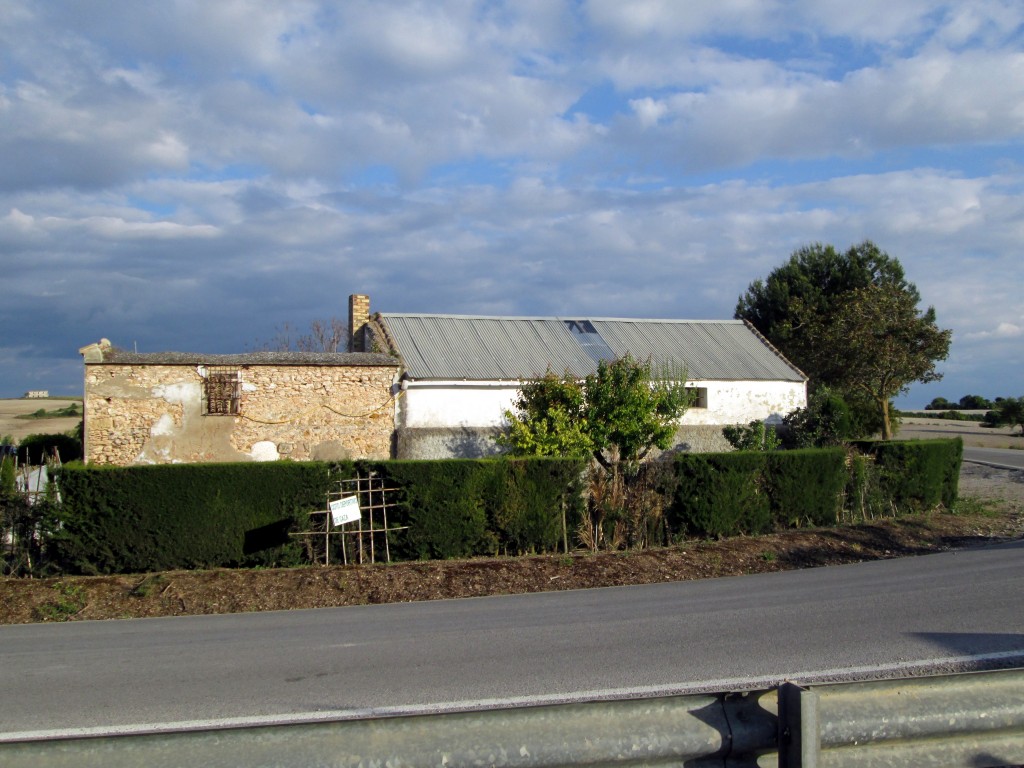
(768, 556)
(70, 600)
(566, 560)
(146, 586)
(974, 505)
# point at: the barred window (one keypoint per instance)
(223, 389)
(700, 397)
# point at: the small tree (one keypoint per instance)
(617, 414)
(549, 419)
(1010, 411)
(825, 422)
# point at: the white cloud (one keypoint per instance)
(255, 163)
(1001, 331)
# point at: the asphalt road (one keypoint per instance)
(998, 457)
(930, 612)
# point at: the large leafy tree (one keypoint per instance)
(876, 343)
(850, 321)
(617, 414)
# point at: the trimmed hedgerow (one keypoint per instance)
(915, 475)
(720, 494)
(460, 507)
(147, 518)
(806, 486)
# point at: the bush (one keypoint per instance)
(149, 518)
(461, 508)
(720, 494)
(805, 486)
(36, 449)
(916, 475)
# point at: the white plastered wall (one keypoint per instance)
(482, 404)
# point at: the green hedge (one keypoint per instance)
(132, 519)
(459, 507)
(805, 486)
(719, 494)
(749, 492)
(149, 518)
(915, 475)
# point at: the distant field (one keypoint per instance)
(972, 432)
(19, 428)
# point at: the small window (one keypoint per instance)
(223, 390)
(700, 397)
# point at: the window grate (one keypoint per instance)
(223, 391)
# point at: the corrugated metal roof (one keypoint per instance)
(516, 348)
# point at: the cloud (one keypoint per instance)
(1001, 331)
(193, 175)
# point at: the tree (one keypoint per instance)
(616, 414)
(1010, 410)
(875, 342)
(807, 306)
(549, 419)
(973, 403)
(939, 404)
(324, 335)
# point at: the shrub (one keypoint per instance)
(915, 475)
(720, 494)
(146, 518)
(805, 486)
(36, 449)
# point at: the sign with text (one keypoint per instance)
(345, 510)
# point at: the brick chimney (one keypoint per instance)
(358, 317)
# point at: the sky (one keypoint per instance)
(194, 176)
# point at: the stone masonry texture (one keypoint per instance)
(152, 414)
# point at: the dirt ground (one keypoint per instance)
(11, 409)
(991, 510)
(971, 432)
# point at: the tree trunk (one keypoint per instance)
(886, 420)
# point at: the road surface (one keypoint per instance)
(905, 615)
(996, 457)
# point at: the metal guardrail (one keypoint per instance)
(974, 719)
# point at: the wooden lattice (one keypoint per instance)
(362, 539)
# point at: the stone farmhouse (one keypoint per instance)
(411, 386)
(158, 408)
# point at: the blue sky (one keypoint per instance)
(192, 176)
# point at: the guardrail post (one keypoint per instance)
(799, 727)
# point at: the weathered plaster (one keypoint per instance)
(141, 413)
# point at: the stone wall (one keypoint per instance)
(152, 414)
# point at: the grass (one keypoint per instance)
(69, 411)
(69, 601)
(973, 505)
(147, 585)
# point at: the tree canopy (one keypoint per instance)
(1010, 411)
(850, 321)
(616, 414)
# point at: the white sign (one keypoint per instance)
(345, 510)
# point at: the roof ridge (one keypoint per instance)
(561, 318)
